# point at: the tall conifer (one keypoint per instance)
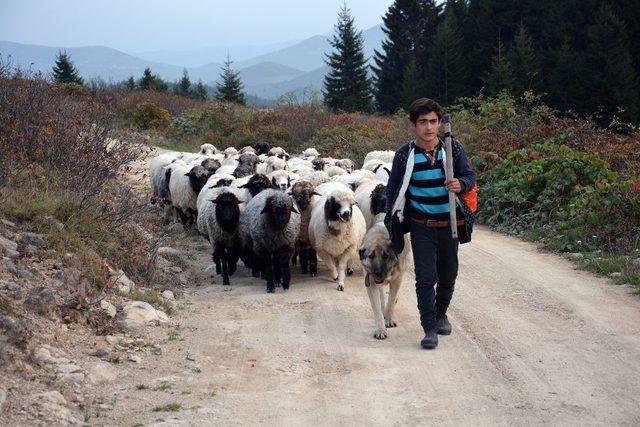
(347, 86)
(230, 88)
(64, 71)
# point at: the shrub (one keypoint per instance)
(150, 116)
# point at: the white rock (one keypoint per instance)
(135, 358)
(42, 355)
(52, 405)
(108, 308)
(101, 372)
(3, 398)
(615, 275)
(7, 223)
(166, 250)
(7, 246)
(75, 377)
(211, 270)
(68, 368)
(113, 339)
(123, 283)
(576, 255)
(168, 295)
(137, 314)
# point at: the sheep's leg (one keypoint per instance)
(349, 267)
(234, 256)
(225, 266)
(331, 265)
(313, 262)
(394, 288)
(284, 257)
(268, 267)
(294, 258)
(277, 271)
(217, 257)
(304, 260)
(342, 269)
(183, 217)
(380, 331)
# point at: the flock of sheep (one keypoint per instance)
(272, 210)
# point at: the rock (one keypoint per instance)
(52, 406)
(7, 223)
(46, 355)
(123, 283)
(101, 372)
(3, 398)
(7, 245)
(33, 239)
(166, 250)
(53, 221)
(67, 368)
(99, 353)
(176, 227)
(41, 300)
(13, 330)
(75, 377)
(7, 265)
(14, 289)
(26, 274)
(113, 339)
(576, 256)
(108, 308)
(168, 295)
(138, 314)
(211, 270)
(175, 269)
(635, 262)
(615, 275)
(135, 358)
(30, 250)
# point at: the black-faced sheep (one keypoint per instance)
(185, 182)
(269, 228)
(371, 198)
(261, 147)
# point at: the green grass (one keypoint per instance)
(141, 387)
(177, 260)
(170, 407)
(605, 264)
(5, 306)
(114, 359)
(163, 387)
(174, 335)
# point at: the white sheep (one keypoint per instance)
(335, 170)
(383, 172)
(336, 230)
(269, 228)
(275, 163)
(373, 164)
(310, 154)
(279, 152)
(207, 149)
(160, 183)
(230, 151)
(370, 198)
(346, 164)
(185, 182)
(386, 156)
(281, 179)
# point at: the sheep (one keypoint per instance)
(275, 163)
(373, 164)
(261, 147)
(383, 172)
(247, 149)
(319, 177)
(211, 164)
(310, 153)
(336, 230)
(246, 165)
(252, 186)
(160, 183)
(207, 149)
(346, 164)
(261, 166)
(327, 187)
(218, 221)
(319, 164)
(335, 170)
(209, 190)
(297, 163)
(303, 195)
(228, 169)
(386, 156)
(371, 198)
(280, 179)
(355, 179)
(269, 228)
(185, 182)
(230, 151)
(279, 152)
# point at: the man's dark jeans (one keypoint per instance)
(435, 256)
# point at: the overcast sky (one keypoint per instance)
(139, 25)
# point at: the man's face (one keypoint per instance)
(426, 127)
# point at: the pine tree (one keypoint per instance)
(64, 71)
(230, 89)
(184, 85)
(200, 91)
(150, 81)
(347, 86)
(566, 83)
(130, 84)
(395, 56)
(500, 77)
(613, 82)
(525, 64)
(447, 68)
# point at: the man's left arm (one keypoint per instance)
(462, 170)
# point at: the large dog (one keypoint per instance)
(382, 266)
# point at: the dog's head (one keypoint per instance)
(378, 259)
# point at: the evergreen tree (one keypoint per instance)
(230, 89)
(524, 64)
(566, 84)
(200, 91)
(398, 49)
(613, 83)
(150, 81)
(500, 76)
(130, 84)
(347, 86)
(412, 85)
(184, 85)
(447, 68)
(64, 71)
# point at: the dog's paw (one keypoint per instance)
(340, 288)
(380, 334)
(389, 322)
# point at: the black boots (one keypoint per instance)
(444, 327)
(430, 340)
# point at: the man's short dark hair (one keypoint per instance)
(424, 106)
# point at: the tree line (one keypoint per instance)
(581, 56)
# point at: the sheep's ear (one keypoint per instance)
(293, 209)
(388, 171)
(214, 201)
(315, 193)
(243, 185)
(362, 253)
(264, 209)
(187, 174)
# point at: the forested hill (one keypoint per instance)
(584, 56)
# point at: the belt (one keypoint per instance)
(436, 224)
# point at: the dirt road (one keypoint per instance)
(534, 341)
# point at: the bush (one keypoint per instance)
(150, 116)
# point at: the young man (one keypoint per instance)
(418, 195)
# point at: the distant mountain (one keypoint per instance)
(199, 57)
(301, 85)
(308, 55)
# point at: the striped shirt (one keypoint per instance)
(428, 197)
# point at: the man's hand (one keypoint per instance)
(453, 185)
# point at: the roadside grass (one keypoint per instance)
(605, 264)
(152, 297)
(177, 260)
(170, 407)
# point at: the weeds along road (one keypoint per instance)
(534, 341)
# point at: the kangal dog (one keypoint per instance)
(382, 266)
